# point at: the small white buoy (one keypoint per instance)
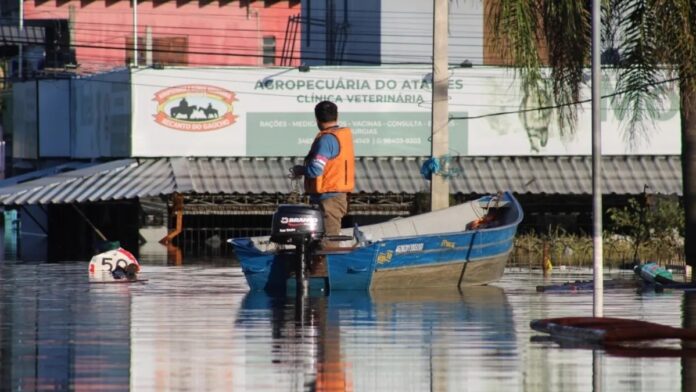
(103, 265)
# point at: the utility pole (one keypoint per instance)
(597, 256)
(135, 33)
(439, 187)
(73, 32)
(21, 37)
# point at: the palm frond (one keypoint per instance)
(611, 22)
(515, 25)
(567, 29)
(639, 72)
(521, 27)
(649, 40)
(676, 28)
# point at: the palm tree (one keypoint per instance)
(646, 42)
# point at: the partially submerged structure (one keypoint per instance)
(203, 152)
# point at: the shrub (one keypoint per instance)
(654, 222)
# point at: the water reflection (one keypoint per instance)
(417, 340)
(688, 372)
(52, 330)
(195, 327)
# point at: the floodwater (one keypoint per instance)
(195, 327)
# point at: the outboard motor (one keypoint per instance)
(302, 226)
(293, 223)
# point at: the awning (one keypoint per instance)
(115, 180)
(13, 35)
(138, 178)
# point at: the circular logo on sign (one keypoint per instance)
(195, 108)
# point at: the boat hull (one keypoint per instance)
(438, 260)
(458, 274)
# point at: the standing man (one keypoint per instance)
(329, 167)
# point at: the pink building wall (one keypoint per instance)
(219, 32)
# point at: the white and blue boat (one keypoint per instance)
(463, 245)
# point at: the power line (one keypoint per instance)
(319, 38)
(249, 52)
(426, 23)
(306, 54)
(557, 106)
(339, 11)
(96, 79)
(251, 48)
(130, 48)
(225, 54)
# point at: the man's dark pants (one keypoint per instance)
(333, 209)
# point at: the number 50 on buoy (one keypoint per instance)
(110, 260)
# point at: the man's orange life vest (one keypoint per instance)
(339, 172)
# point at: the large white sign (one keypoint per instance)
(269, 112)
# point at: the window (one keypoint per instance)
(170, 50)
(269, 50)
(165, 50)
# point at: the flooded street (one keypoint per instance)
(196, 327)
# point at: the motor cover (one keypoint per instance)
(294, 223)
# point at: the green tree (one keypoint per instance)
(647, 219)
(645, 42)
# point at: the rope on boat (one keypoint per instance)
(441, 166)
(296, 189)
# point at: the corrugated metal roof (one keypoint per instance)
(13, 35)
(121, 179)
(136, 178)
(568, 174)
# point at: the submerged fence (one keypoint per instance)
(576, 251)
(212, 241)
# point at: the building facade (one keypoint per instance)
(101, 35)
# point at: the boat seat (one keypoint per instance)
(453, 219)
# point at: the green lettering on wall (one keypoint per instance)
(374, 134)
